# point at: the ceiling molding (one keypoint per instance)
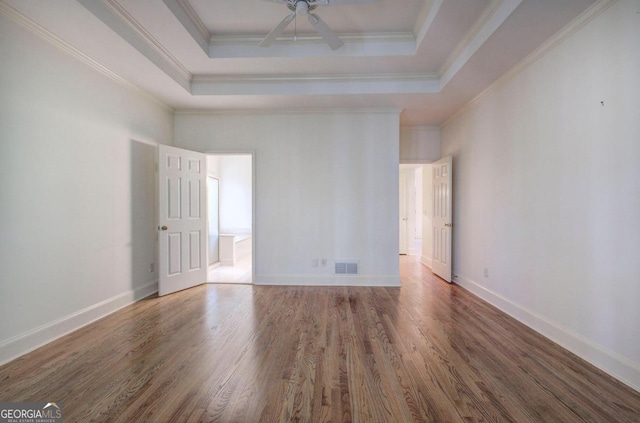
(489, 24)
(189, 19)
(284, 111)
(421, 127)
(584, 18)
(423, 27)
(432, 77)
(473, 32)
(247, 46)
(355, 45)
(112, 14)
(314, 84)
(67, 48)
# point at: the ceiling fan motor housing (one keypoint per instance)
(301, 7)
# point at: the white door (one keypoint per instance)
(442, 218)
(182, 261)
(403, 213)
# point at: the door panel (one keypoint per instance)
(442, 218)
(182, 219)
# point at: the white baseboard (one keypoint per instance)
(427, 261)
(26, 342)
(329, 280)
(620, 367)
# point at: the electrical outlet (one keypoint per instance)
(486, 272)
(314, 263)
(152, 267)
(323, 262)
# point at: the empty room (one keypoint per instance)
(320, 210)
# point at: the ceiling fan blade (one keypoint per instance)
(275, 32)
(325, 32)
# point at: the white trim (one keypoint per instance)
(184, 13)
(314, 84)
(422, 26)
(118, 10)
(491, 25)
(473, 31)
(67, 48)
(427, 261)
(112, 14)
(26, 342)
(585, 17)
(285, 111)
(352, 77)
(611, 362)
(355, 45)
(329, 280)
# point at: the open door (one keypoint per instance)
(182, 219)
(442, 218)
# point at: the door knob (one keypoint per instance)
(164, 228)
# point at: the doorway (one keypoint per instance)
(230, 217)
(416, 194)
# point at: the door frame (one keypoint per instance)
(217, 263)
(251, 153)
(420, 197)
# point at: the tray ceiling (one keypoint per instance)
(426, 57)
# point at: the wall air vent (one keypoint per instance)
(346, 267)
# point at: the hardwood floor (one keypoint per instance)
(426, 352)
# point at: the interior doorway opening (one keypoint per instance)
(416, 194)
(230, 217)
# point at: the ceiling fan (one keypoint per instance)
(305, 8)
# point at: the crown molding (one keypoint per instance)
(278, 85)
(574, 26)
(117, 9)
(473, 32)
(195, 18)
(189, 19)
(421, 127)
(67, 48)
(490, 24)
(312, 45)
(252, 40)
(427, 77)
(424, 24)
(112, 14)
(288, 111)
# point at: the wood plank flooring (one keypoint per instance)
(426, 352)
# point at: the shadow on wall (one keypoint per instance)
(143, 214)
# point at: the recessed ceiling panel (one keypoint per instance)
(258, 17)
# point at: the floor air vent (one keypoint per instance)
(346, 267)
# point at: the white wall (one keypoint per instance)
(547, 193)
(235, 193)
(323, 189)
(77, 156)
(419, 203)
(419, 144)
